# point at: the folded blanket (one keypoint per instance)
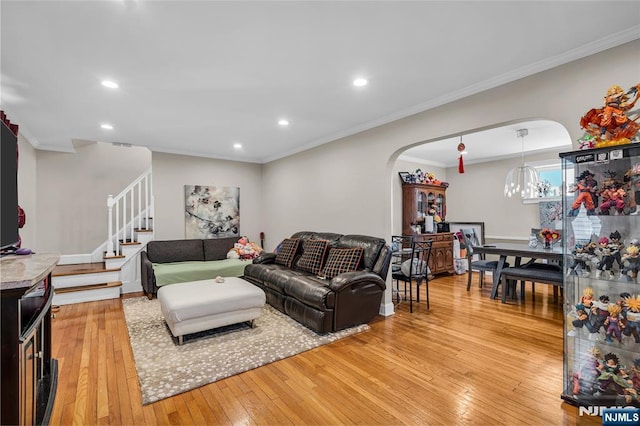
(180, 272)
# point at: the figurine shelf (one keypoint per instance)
(601, 233)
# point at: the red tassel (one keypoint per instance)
(460, 165)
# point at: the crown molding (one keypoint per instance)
(611, 41)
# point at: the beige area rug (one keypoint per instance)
(166, 369)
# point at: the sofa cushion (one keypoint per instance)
(288, 250)
(342, 260)
(310, 235)
(217, 248)
(175, 251)
(312, 258)
(180, 272)
(276, 277)
(310, 290)
(257, 271)
(370, 245)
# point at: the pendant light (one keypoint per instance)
(522, 180)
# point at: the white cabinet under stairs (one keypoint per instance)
(113, 268)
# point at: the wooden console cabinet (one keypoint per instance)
(29, 373)
(441, 258)
(417, 201)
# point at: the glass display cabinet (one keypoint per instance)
(600, 237)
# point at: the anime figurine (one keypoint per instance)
(632, 179)
(584, 379)
(613, 379)
(613, 325)
(611, 125)
(586, 187)
(613, 196)
(631, 317)
(631, 262)
(596, 317)
(581, 258)
(587, 141)
(634, 380)
(616, 246)
(583, 311)
(605, 258)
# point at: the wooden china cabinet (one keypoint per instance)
(417, 200)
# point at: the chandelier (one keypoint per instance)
(522, 180)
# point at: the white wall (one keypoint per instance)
(346, 185)
(72, 191)
(27, 199)
(172, 172)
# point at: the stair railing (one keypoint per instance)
(122, 210)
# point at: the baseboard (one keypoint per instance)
(387, 309)
(131, 287)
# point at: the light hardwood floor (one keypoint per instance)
(467, 360)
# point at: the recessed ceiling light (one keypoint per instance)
(110, 84)
(283, 122)
(237, 145)
(359, 82)
(106, 126)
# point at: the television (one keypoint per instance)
(8, 188)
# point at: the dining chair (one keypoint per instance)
(553, 267)
(481, 265)
(411, 266)
(400, 252)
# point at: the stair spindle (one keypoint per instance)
(110, 225)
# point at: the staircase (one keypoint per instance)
(112, 268)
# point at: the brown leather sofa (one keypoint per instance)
(325, 305)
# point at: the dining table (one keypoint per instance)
(518, 251)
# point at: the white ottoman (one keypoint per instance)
(202, 305)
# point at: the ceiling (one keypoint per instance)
(195, 77)
(492, 144)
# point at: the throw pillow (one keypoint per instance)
(288, 250)
(312, 255)
(342, 260)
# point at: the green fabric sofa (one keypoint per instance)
(177, 261)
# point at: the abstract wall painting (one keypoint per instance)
(211, 211)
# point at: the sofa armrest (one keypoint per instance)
(381, 267)
(357, 298)
(354, 280)
(147, 276)
(265, 258)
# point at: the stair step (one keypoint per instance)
(88, 287)
(117, 256)
(81, 268)
(143, 230)
(130, 243)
